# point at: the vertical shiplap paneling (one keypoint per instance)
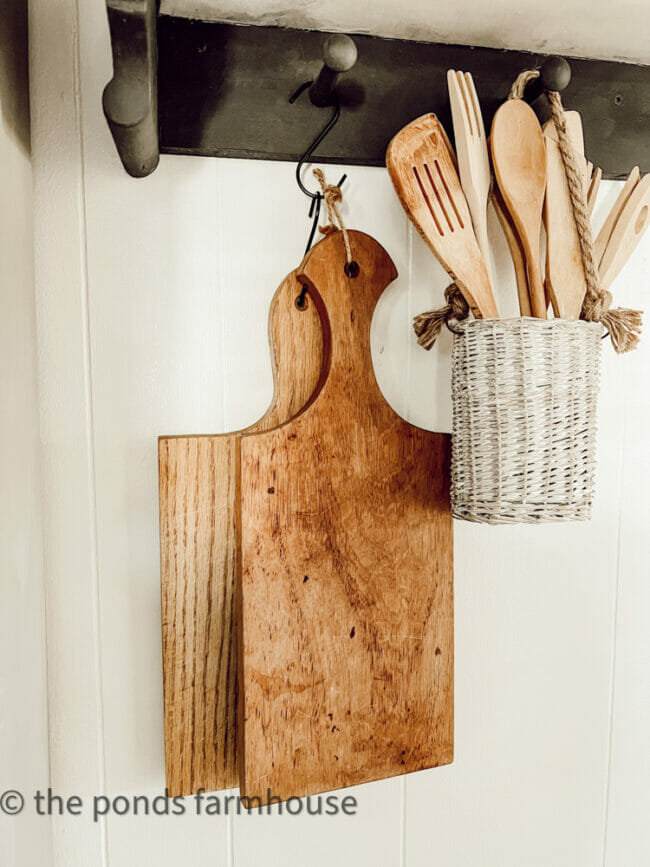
(533, 617)
(262, 204)
(68, 490)
(154, 365)
(628, 827)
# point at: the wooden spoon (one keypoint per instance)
(427, 185)
(519, 159)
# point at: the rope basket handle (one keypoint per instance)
(622, 325)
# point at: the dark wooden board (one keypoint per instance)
(224, 90)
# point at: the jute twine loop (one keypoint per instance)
(622, 325)
(333, 195)
(520, 83)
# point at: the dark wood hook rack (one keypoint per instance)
(211, 89)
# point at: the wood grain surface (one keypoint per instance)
(346, 667)
(426, 182)
(198, 484)
(519, 160)
(565, 276)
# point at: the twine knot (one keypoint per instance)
(595, 308)
(333, 196)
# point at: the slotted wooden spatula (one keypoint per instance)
(427, 185)
(519, 159)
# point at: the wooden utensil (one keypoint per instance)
(428, 187)
(516, 251)
(627, 233)
(472, 153)
(519, 159)
(346, 547)
(565, 277)
(198, 487)
(608, 226)
(594, 186)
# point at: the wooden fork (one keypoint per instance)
(472, 153)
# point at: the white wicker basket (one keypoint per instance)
(525, 393)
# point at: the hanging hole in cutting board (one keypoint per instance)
(351, 269)
(301, 300)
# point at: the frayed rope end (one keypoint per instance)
(624, 327)
(428, 326)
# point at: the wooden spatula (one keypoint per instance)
(627, 233)
(519, 159)
(428, 187)
(565, 277)
(472, 153)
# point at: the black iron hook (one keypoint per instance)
(339, 55)
(317, 197)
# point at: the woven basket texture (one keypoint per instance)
(525, 395)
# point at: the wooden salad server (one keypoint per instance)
(605, 233)
(346, 553)
(519, 159)
(472, 154)
(199, 480)
(627, 233)
(565, 276)
(427, 185)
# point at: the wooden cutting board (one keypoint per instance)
(346, 666)
(199, 477)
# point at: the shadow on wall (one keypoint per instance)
(14, 81)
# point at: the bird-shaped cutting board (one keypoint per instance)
(346, 638)
(199, 479)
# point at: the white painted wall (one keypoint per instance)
(24, 839)
(152, 300)
(579, 28)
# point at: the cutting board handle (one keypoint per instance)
(346, 305)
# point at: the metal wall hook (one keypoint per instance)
(329, 126)
(332, 99)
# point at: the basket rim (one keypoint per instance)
(531, 321)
